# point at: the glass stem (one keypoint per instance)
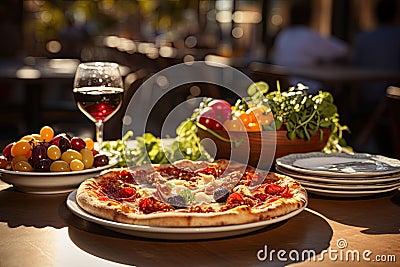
(99, 134)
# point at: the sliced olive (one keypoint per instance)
(221, 194)
(177, 201)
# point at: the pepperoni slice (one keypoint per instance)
(150, 204)
(286, 193)
(234, 198)
(274, 189)
(126, 192)
(277, 190)
(261, 196)
(113, 191)
(127, 176)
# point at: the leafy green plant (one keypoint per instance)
(301, 114)
(151, 149)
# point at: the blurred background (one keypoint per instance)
(43, 42)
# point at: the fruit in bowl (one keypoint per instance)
(47, 152)
(267, 125)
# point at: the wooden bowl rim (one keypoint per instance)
(326, 131)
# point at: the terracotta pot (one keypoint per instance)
(260, 149)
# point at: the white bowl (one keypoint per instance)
(50, 182)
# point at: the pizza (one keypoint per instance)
(190, 194)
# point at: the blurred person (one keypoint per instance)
(298, 45)
(74, 37)
(378, 48)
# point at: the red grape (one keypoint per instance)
(56, 140)
(3, 162)
(77, 143)
(7, 151)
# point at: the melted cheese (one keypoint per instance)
(243, 190)
(207, 178)
(203, 197)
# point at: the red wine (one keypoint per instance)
(98, 103)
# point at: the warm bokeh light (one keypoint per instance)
(224, 16)
(111, 41)
(28, 73)
(237, 32)
(276, 20)
(195, 90)
(54, 46)
(167, 51)
(188, 58)
(190, 41)
(162, 82)
(247, 17)
(126, 45)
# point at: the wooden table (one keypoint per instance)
(40, 230)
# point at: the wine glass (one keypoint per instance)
(98, 92)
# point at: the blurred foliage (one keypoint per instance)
(45, 19)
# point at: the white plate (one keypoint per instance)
(353, 187)
(50, 182)
(339, 193)
(175, 233)
(342, 180)
(340, 164)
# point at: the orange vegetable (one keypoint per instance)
(253, 127)
(245, 118)
(255, 113)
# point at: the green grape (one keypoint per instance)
(59, 166)
(71, 154)
(23, 166)
(54, 152)
(76, 165)
(87, 157)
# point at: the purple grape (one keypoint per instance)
(42, 165)
(64, 144)
(39, 152)
(46, 144)
(100, 160)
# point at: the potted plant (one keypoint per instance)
(275, 123)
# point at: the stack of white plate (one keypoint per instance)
(340, 174)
